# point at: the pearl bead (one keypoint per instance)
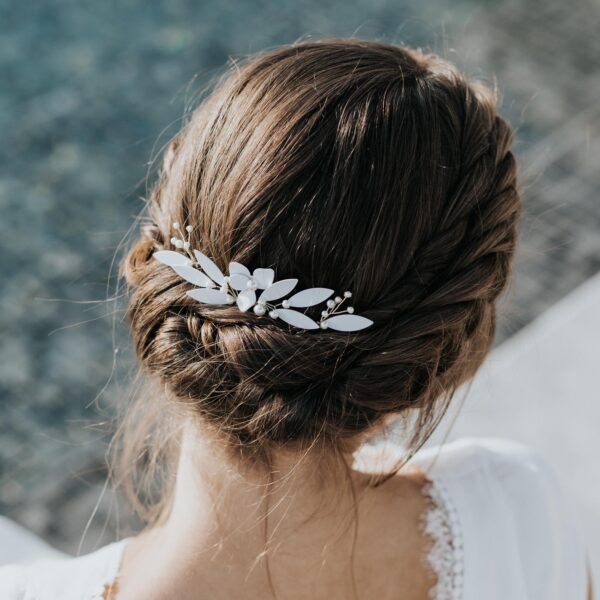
(179, 244)
(189, 229)
(285, 304)
(350, 309)
(273, 314)
(173, 241)
(347, 294)
(337, 299)
(175, 225)
(330, 303)
(186, 245)
(230, 299)
(323, 325)
(324, 313)
(251, 284)
(259, 309)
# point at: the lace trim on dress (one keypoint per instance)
(445, 556)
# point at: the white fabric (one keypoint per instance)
(519, 538)
(81, 578)
(18, 544)
(495, 503)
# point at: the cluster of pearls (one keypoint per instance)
(183, 243)
(333, 306)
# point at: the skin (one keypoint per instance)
(212, 545)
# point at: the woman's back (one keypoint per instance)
(496, 526)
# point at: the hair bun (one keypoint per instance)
(404, 193)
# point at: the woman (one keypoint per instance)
(321, 260)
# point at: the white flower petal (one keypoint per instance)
(171, 259)
(348, 322)
(238, 269)
(246, 300)
(310, 297)
(209, 267)
(238, 281)
(296, 318)
(278, 290)
(208, 296)
(193, 276)
(264, 277)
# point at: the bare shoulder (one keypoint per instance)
(391, 526)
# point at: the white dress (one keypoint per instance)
(499, 525)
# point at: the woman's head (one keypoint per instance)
(349, 164)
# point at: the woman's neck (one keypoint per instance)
(246, 531)
(220, 504)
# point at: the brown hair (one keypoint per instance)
(356, 165)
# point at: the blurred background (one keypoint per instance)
(90, 92)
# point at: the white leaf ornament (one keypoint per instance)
(264, 277)
(171, 259)
(241, 286)
(278, 290)
(347, 322)
(209, 296)
(209, 267)
(310, 297)
(296, 318)
(193, 276)
(246, 300)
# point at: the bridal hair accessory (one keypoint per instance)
(240, 287)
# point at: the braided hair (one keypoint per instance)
(362, 165)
